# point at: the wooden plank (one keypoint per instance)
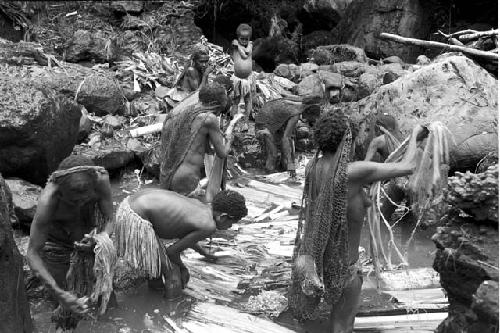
(212, 318)
(409, 321)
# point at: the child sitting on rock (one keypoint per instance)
(242, 56)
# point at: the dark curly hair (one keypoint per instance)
(230, 202)
(225, 81)
(330, 129)
(212, 94)
(75, 160)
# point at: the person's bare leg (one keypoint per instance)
(344, 311)
(272, 152)
(248, 104)
(286, 144)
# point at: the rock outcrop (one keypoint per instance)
(467, 255)
(453, 90)
(25, 199)
(38, 124)
(101, 95)
(364, 20)
(87, 45)
(14, 308)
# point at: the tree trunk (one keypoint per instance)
(14, 307)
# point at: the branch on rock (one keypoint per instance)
(431, 44)
(478, 34)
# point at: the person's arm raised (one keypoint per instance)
(38, 236)
(376, 145)
(365, 172)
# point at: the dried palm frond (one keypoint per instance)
(426, 189)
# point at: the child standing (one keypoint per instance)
(242, 78)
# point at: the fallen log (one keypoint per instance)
(431, 44)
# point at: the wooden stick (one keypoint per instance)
(146, 130)
(478, 34)
(430, 44)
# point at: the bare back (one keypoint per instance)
(186, 177)
(172, 215)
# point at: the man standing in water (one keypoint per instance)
(65, 214)
(334, 215)
(186, 137)
(150, 214)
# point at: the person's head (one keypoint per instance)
(78, 187)
(200, 57)
(244, 34)
(330, 129)
(214, 94)
(228, 207)
(226, 82)
(312, 108)
(386, 121)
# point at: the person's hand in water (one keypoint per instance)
(73, 303)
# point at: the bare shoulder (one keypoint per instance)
(190, 72)
(210, 120)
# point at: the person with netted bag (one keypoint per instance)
(326, 249)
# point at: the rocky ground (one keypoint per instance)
(93, 73)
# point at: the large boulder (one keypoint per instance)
(25, 198)
(453, 90)
(109, 153)
(467, 253)
(102, 95)
(38, 125)
(85, 45)
(364, 20)
(323, 14)
(127, 7)
(331, 54)
(14, 307)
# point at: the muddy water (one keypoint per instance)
(144, 310)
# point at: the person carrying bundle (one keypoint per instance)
(335, 204)
(73, 220)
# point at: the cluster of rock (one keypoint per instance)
(467, 253)
(104, 32)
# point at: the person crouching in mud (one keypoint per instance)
(186, 137)
(150, 214)
(334, 215)
(64, 216)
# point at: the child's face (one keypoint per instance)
(201, 62)
(244, 37)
